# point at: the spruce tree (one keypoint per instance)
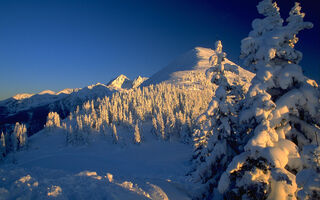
(280, 112)
(216, 139)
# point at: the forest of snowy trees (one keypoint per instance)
(170, 111)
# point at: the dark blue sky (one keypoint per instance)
(74, 43)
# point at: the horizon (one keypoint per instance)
(73, 44)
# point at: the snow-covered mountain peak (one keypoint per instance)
(196, 58)
(189, 70)
(120, 82)
(123, 82)
(22, 96)
(47, 92)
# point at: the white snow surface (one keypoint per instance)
(49, 169)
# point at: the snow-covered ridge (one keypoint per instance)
(22, 96)
(47, 92)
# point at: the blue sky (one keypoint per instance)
(57, 44)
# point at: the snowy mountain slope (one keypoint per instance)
(189, 70)
(99, 170)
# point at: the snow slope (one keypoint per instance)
(99, 170)
(189, 70)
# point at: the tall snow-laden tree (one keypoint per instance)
(280, 114)
(23, 138)
(216, 140)
(19, 138)
(161, 125)
(154, 126)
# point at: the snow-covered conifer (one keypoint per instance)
(154, 126)
(280, 113)
(23, 138)
(161, 125)
(215, 141)
(19, 137)
(53, 121)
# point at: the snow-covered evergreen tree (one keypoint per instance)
(280, 113)
(23, 138)
(19, 138)
(215, 142)
(53, 121)
(154, 126)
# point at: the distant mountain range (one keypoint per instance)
(186, 71)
